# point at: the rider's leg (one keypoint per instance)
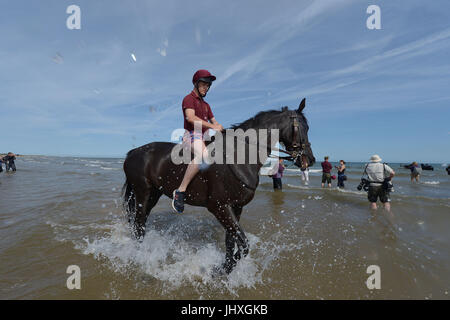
(199, 150)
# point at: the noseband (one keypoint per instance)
(296, 150)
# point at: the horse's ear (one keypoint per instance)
(302, 105)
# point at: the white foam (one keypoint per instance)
(297, 187)
(107, 168)
(178, 260)
(350, 191)
(431, 182)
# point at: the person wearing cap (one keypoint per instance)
(326, 172)
(198, 118)
(377, 173)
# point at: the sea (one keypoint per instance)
(306, 242)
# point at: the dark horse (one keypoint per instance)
(224, 189)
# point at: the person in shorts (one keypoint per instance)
(326, 172)
(377, 173)
(198, 118)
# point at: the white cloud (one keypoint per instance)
(414, 48)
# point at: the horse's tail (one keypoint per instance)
(128, 196)
(129, 200)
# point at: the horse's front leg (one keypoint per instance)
(242, 243)
(230, 261)
(234, 235)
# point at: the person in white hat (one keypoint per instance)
(377, 173)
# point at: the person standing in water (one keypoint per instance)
(305, 173)
(378, 174)
(416, 170)
(341, 173)
(10, 165)
(277, 184)
(1, 164)
(197, 113)
(326, 172)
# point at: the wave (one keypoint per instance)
(430, 182)
(326, 189)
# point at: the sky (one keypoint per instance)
(80, 92)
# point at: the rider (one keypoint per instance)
(197, 114)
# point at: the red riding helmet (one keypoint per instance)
(203, 75)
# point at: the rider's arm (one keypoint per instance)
(192, 118)
(213, 121)
(219, 127)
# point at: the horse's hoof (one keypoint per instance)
(218, 271)
(223, 270)
(140, 239)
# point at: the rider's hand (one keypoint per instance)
(218, 127)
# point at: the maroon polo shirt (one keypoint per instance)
(201, 108)
(326, 167)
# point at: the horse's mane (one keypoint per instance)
(262, 117)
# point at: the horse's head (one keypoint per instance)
(294, 135)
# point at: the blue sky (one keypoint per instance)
(79, 92)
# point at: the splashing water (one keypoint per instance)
(174, 257)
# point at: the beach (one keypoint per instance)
(306, 242)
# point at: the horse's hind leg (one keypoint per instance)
(145, 201)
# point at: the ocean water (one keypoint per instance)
(305, 242)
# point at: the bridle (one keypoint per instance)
(296, 150)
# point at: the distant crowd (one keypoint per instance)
(8, 160)
(376, 178)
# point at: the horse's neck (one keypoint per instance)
(268, 142)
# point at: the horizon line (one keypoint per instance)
(123, 157)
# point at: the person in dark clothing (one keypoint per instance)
(10, 165)
(341, 173)
(1, 164)
(277, 184)
(448, 170)
(326, 172)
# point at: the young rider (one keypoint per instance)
(197, 114)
